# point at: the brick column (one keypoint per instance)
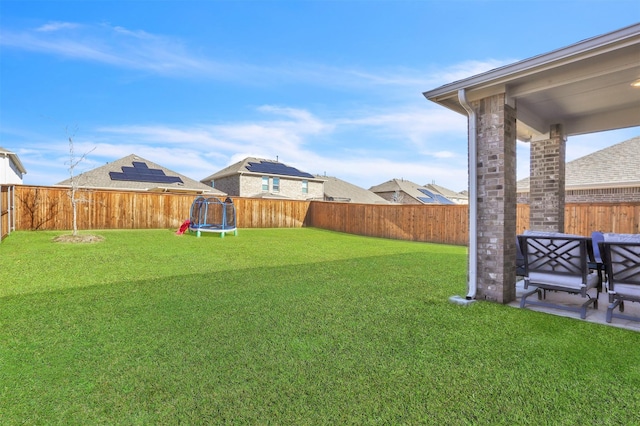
(496, 199)
(547, 181)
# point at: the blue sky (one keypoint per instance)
(329, 87)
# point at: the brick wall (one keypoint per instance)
(229, 185)
(251, 186)
(547, 182)
(601, 195)
(496, 174)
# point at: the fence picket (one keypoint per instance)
(49, 208)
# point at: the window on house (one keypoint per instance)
(276, 184)
(265, 183)
(305, 186)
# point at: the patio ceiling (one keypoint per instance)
(586, 87)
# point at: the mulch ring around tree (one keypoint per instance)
(70, 238)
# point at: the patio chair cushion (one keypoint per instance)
(626, 290)
(529, 232)
(573, 282)
(621, 253)
(558, 262)
(621, 238)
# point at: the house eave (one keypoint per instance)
(310, 179)
(16, 161)
(586, 87)
(499, 77)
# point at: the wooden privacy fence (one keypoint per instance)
(449, 224)
(583, 219)
(6, 210)
(49, 208)
(438, 224)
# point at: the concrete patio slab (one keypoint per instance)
(574, 300)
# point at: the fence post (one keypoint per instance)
(7, 211)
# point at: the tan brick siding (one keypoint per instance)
(602, 195)
(251, 186)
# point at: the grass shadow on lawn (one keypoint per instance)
(30, 262)
(362, 340)
(288, 327)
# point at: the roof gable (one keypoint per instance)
(140, 172)
(275, 168)
(260, 167)
(413, 190)
(339, 190)
(136, 173)
(445, 191)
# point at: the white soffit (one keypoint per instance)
(586, 87)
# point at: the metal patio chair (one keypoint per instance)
(559, 262)
(622, 265)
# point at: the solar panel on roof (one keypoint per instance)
(427, 200)
(272, 168)
(443, 200)
(140, 172)
(433, 198)
(427, 192)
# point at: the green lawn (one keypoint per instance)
(287, 326)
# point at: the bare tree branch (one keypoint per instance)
(73, 163)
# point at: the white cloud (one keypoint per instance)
(444, 154)
(367, 172)
(57, 26)
(352, 147)
(366, 145)
(468, 69)
(195, 136)
(116, 46)
(170, 56)
(294, 136)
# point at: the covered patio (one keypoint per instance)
(588, 87)
(597, 316)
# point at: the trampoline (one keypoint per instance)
(213, 215)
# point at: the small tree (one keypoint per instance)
(73, 163)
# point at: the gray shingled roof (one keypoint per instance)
(450, 194)
(612, 167)
(339, 190)
(242, 167)
(409, 188)
(99, 178)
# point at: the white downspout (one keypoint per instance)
(473, 199)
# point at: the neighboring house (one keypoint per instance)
(260, 178)
(400, 191)
(339, 190)
(134, 173)
(456, 197)
(609, 175)
(11, 169)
